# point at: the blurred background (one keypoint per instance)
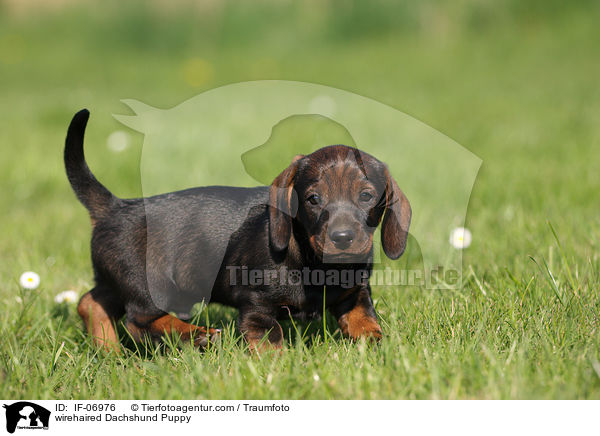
(513, 81)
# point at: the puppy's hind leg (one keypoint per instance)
(156, 326)
(100, 309)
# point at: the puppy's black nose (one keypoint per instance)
(342, 238)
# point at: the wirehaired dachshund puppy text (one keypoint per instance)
(270, 252)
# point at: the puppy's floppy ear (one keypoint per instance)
(283, 205)
(396, 221)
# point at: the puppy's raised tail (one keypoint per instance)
(95, 197)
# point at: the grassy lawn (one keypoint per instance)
(517, 86)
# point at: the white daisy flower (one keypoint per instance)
(316, 377)
(460, 238)
(118, 141)
(66, 297)
(29, 280)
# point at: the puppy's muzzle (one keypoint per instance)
(342, 238)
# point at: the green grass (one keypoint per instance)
(516, 86)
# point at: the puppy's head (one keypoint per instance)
(336, 197)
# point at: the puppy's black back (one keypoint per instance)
(160, 253)
(186, 249)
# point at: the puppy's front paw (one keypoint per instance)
(356, 325)
(261, 331)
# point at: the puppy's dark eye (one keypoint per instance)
(365, 196)
(314, 199)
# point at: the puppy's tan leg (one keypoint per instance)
(99, 315)
(166, 324)
(357, 318)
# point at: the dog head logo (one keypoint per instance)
(26, 415)
(245, 133)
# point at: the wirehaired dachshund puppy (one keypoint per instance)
(270, 252)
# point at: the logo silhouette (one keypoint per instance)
(26, 415)
(244, 133)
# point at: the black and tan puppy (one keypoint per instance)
(161, 254)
